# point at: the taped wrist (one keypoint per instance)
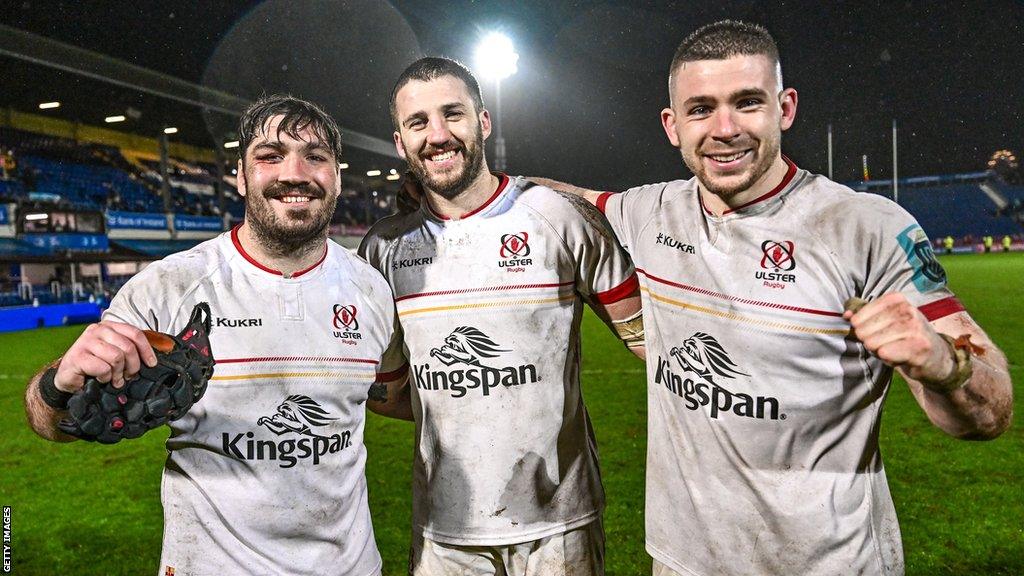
(52, 396)
(631, 330)
(963, 366)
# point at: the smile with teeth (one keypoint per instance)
(727, 157)
(293, 199)
(442, 156)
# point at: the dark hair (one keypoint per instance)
(298, 115)
(431, 68)
(724, 39)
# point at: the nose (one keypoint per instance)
(723, 125)
(438, 132)
(294, 170)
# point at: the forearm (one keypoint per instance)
(41, 417)
(393, 400)
(981, 409)
(589, 195)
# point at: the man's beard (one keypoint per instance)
(449, 188)
(303, 231)
(725, 191)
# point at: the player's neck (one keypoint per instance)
(718, 205)
(473, 197)
(287, 261)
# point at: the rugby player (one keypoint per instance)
(489, 276)
(765, 388)
(265, 475)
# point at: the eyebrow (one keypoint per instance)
(420, 114)
(277, 146)
(737, 95)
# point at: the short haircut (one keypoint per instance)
(297, 116)
(722, 40)
(432, 68)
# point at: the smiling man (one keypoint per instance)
(767, 371)
(490, 276)
(265, 475)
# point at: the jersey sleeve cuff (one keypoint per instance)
(619, 292)
(941, 308)
(602, 201)
(393, 374)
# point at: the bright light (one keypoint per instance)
(496, 58)
(232, 144)
(48, 105)
(392, 177)
(343, 165)
(112, 119)
(170, 130)
(373, 173)
(31, 217)
(393, 171)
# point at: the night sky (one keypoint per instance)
(585, 104)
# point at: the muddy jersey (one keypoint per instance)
(490, 306)
(265, 474)
(763, 413)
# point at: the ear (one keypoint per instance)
(243, 186)
(399, 145)
(485, 122)
(788, 101)
(668, 123)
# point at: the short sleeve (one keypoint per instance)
(371, 249)
(901, 259)
(605, 272)
(394, 362)
(628, 211)
(139, 304)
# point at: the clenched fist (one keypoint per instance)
(893, 329)
(108, 351)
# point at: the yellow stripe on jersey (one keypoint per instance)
(741, 318)
(275, 375)
(493, 304)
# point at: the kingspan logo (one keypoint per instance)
(297, 416)
(705, 358)
(467, 345)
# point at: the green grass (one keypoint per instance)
(84, 509)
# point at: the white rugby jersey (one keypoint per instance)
(490, 306)
(265, 474)
(763, 413)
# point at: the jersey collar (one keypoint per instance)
(251, 260)
(790, 173)
(503, 181)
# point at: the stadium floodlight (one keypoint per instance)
(48, 105)
(496, 58)
(170, 130)
(232, 144)
(343, 165)
(373, 172)
(392, 177)
(112, 119)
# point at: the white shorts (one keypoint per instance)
(578, 552)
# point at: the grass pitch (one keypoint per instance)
(84, 509)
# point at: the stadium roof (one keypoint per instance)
(585, 103)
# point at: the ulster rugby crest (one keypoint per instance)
(514, 252)
(346, 325)
(777, 264)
